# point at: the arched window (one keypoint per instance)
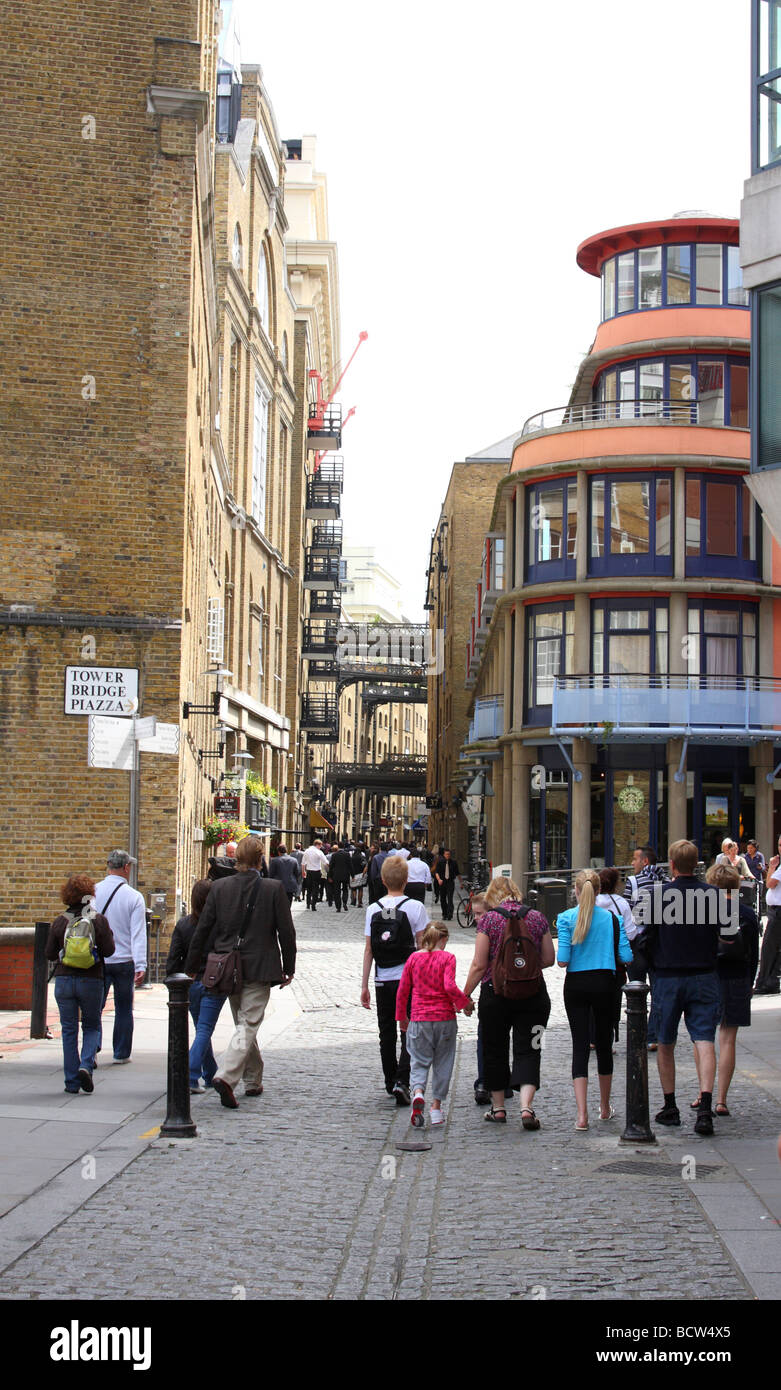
(236, 254)
(284, 351)
(262, 291)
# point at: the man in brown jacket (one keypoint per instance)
(268, 931)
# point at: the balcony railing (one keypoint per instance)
(631, 706)
(324, 427)
(618, 413)
(323, 500)
(319, 638)
(321, 569)
(488, 718)
(325, 602)
(320, 718)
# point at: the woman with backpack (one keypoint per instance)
(512, 949)
(430, 1020)
(587, 950)
(79, 940)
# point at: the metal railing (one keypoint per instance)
(628, 703)
(331, 470)
(326, 535)
(618, 413)
(488, 718)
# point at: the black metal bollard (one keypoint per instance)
(38, 1028)
(638, 1122)
(178, 1123)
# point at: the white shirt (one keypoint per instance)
(773, 898)
(614, 903)
(313, 858)
(418, 920)
(418, 871)
(126, 917)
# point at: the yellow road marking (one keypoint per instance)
(150, 1134)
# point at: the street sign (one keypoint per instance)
(164, 740)
(108, 690)
(227, 806)
(145, 728)
(110, 743)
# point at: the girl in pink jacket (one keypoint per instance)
(432, 1029)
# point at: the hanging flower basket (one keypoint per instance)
(218, 831)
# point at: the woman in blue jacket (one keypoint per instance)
(586, 950)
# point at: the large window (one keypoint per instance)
(767, 352)
(629, 638)
(631, 525)
(656, 277)
(552, 529)
(766, 112)
(259, 454)
(722, 641)
(550, 645)
(721, 527)
(687, 390)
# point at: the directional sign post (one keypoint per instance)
(118, 743)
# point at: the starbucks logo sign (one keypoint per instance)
(631, 800)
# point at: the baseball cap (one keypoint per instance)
(119, 859)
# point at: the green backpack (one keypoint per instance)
(79, 947)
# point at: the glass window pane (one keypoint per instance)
(769, 36)
(735, 291)
(721, 509)
(679, 263)
(651, 386)
(708, 287)
(597, 652)
(682, 388)
(663, 516)
(629, 518)
(607, 394)
(768, 304)
(597, 518)
(548, 517)
(598, 619)
(749, 655)
(770, 121)
(626, 282)
(628, 655)
(608, 289)
(662, 657)
(749, 540)
(721, 656)
(738, 397)
(649, 271)
(710, 393)
(547, 625)
(724, 621)
(629, 619)
(692, 516)
(572, 521)
(626, 393)
(749, 624)
(693, 642)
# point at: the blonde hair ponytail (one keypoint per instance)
(434, 933)
(588, 886)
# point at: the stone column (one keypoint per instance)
(519, 842)
(507, 678)
(520, 533)
(580, 803)
(507, 802)
(581, 653)
(676, 797)
(581, 544)
(496, 802)
(762, 761)
(509, 560)
(518, 669)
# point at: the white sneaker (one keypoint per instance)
(436, 1117)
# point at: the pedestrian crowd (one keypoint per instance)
(696, 942)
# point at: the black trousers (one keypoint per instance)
(312, 885)
(584, 991)
(416, 891)
(392, 1069)
(770, 960)
(340, 888)
(526, 1019)
(446, 898)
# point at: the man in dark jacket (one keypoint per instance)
(339, 876)
(446, 871)
(288, 870)
(268, 931)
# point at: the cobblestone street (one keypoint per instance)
(304, 1192)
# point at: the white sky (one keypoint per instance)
(469, 149)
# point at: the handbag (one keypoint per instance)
(223, 972)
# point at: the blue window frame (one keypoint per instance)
(765, 395)
(722, 527)
(663, 277)
(766, 88)
(631, 524)
(550, 639)
(696, 389)
(630, 637)
(551, 531)
(722, 638)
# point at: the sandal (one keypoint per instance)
(603, 1119)
(497, 1117)
(532, 1122)
(721, 1109)
(695, 1104)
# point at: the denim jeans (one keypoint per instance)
(205, 1009)
(74, 997)
(121, 976)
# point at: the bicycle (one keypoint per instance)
(464, 914)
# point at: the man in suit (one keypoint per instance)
(446, 873)
(339, 876)
(288, 870)
(268, 957)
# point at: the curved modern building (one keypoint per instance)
(626, 675)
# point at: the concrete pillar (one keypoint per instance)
(580, 804)
(519, 841)
(509, 559)
(496, 842)
(581, 653)
(507, 678)
(679, 627)
(676, 797)
(581, 544)
(762, 761)
(679, 528)
(765, 656)
(518, 668)
(507, 801)
(520, 535)
(765, 552)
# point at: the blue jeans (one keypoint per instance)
(121, 976)
(74, 997)
(205, 1009)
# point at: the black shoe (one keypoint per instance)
(401, 1092)
(482, 1097)
(767, 989)
(85, 1080)
(225, 1093)
(669, 1115)
(704, 1123)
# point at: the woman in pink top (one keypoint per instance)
(432, 1029)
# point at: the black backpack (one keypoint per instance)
(392, 938)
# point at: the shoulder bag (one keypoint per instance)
(223, 973)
